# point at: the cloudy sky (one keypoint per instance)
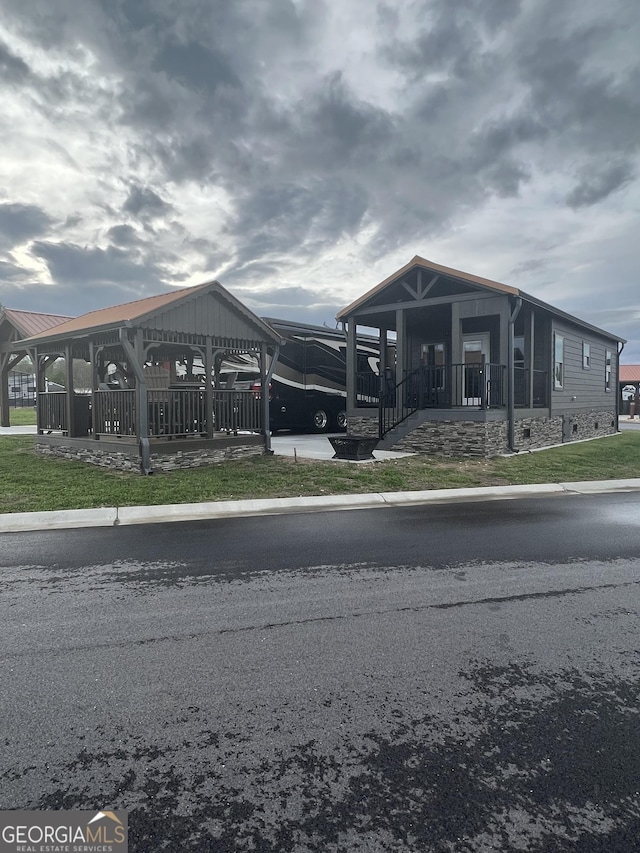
(301, 150)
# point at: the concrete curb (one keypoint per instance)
(18, 522)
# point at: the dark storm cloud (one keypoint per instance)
(275, 217)
(12, 68)
(464, 102)
(70, 264)
(21, 222)
(145, 204)
(123, 235)
(10, 274)
(194, 65)
(600, 183)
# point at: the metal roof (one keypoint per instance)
(29, 323)
(141, 310)
(629, 373)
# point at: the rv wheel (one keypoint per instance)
(341, 420)
(319, 420)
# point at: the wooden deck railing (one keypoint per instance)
(115, 413)
(237, 410)
(172, 412)
(52, 411)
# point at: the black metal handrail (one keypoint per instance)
(478, 386)
(367, 389)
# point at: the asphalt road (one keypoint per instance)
(435, 678)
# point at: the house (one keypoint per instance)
(15, 325)
(480, 368)
(157, 400)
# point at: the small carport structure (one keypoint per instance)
(14, 326)
(157, 398)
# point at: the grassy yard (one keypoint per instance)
(31, 483)
(22, 417)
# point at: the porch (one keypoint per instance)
(442, 388)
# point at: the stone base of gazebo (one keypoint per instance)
(124, 454)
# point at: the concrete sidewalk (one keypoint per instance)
(116, 516)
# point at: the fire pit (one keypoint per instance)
(354, 447)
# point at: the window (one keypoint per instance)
(607, 370)
(586, 355)
(558, 362)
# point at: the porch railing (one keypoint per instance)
(477, 386)
(114, 413)
(171, 413)
(52, 411)
(237, 410)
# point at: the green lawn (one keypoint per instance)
(22, 417)
(32, 483)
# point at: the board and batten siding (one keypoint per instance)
(584, 388)
(206, 315)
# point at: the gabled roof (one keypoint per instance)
(136, 312)
(417, 261)
(629, 373)
(467, 278)
(28, 323)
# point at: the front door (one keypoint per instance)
(474, 347)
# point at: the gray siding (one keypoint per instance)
(207, 314)
(583, 388)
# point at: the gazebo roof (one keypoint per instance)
(629, 373)
(28, 323)
(163, 311)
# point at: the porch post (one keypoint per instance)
(264, 398)
(457, 356)
(401, 328)
(92, 362)
(135, 357)
(68, 364)
(531, 353)
(382, 364)
(208, 394)
(38, 366)
(4, 389)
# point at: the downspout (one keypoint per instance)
(143, 412)
(511, 376)
(265, 397)
(618, 392)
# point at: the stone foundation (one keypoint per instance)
(362, 426)
(491, 438)
(127, 458)
(456, 438)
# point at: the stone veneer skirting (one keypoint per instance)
(167, 456)
(491, 438)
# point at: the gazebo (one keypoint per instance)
(158, 398)
(15, 325)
